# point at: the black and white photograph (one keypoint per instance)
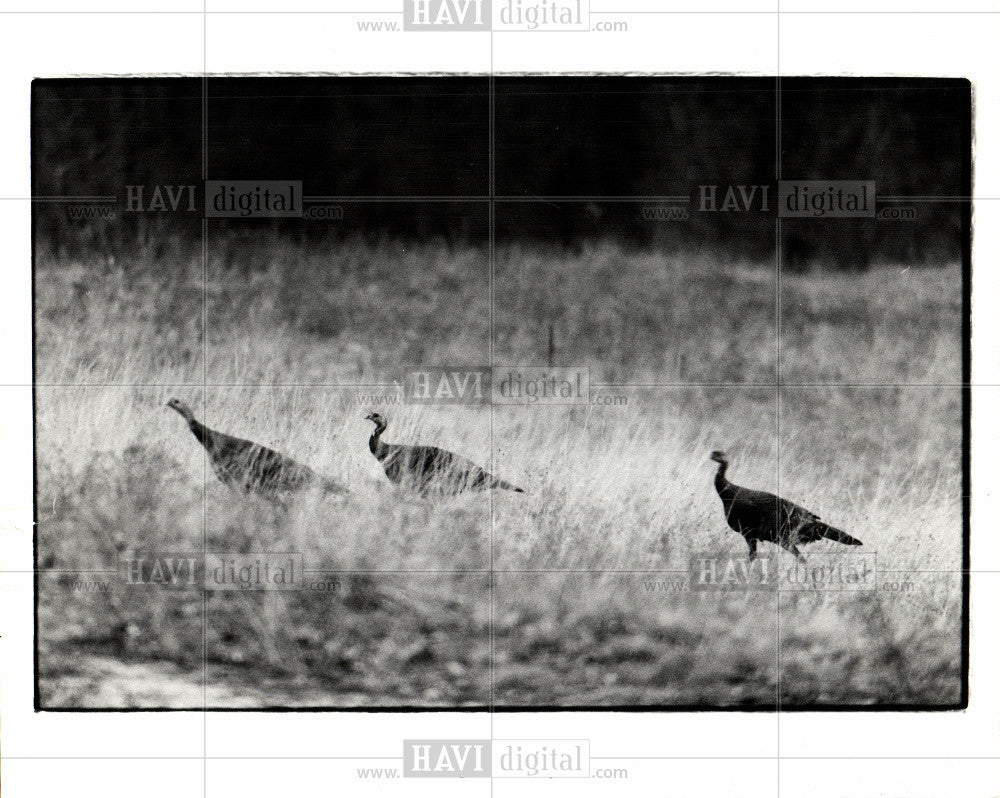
(507, 433)
(527, 422)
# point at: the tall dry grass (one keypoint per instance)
(577, 576)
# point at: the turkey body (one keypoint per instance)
(428, 469)
(250, 467)
(761, 516)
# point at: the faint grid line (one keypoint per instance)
(384, 198)
(204, 530)
(786, 13)
(487, 571)
(818, 756)
(513, 199)
(922, 198)
(224, 758)
(593, 571)
(57, 571)
(204, 339)
(198, 13)
(216, 758)
(371, 12)
(492, 288)
(634, 385)
(777, 375)
(55, 198)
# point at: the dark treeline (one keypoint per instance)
(573, 158)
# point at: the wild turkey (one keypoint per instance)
(428, 469)
(758, 515)
(250, 467)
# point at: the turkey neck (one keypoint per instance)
(721, 483)
(376, 445)
(201, 432)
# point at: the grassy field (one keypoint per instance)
(587, 602)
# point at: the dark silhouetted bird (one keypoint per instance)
(428, 469)
(761, 516)
(250, 467)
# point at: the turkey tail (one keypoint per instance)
(499, 483)
(832, 533)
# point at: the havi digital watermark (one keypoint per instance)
(481, 758)
(485, 15)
